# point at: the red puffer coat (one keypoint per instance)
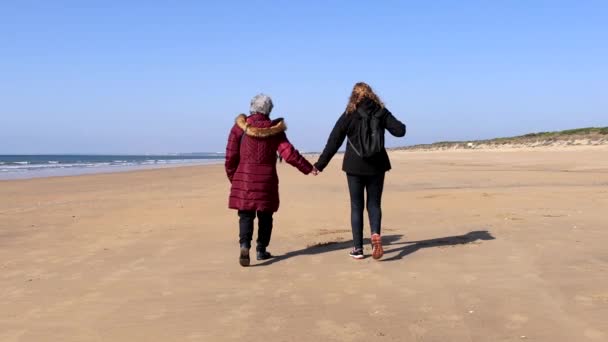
(251, 162)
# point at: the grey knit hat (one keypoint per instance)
(261, 104)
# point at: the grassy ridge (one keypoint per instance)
(591, 133)
(577, 131)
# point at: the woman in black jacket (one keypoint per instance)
(362, 173)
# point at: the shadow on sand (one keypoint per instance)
(389, 241)
(413, 246)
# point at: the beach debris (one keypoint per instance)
(523, 337)
(471, 312)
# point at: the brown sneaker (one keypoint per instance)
(377, 251)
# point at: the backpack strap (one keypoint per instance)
(354, 148)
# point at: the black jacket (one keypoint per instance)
(347, 126)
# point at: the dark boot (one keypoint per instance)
(262, 254)
(244, 256)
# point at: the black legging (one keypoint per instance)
(357, 186)
(246, 218)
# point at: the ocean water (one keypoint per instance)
(34, 166)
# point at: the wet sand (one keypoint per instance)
(481, 246)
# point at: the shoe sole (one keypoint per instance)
(357, 257)
(377, 251)
(244, 259)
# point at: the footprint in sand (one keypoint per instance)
(370, 298)
(75, 276)
(382, 281)
(417, 330)
(407, 292)
(169, 247)
(129, 268)
(274, 323)
(452, 318)
(237, 316)
(91, 297)
(516, 321)
(12, 335)
(351, 291)
(115, 276)
(584, 300)
(280, 292)
(332, 298)
(595, 334)
(196, 336)
(379, 311)
(339, 332)
(155, 314)
(307, 276)
(426, 308)
(297, 299)
(469, 299)
(14, 292)
(316, 260)
(469, 278)
(238, 322)
(601, 298)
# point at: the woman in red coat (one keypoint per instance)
(251, 159)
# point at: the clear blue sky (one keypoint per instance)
(168, 76)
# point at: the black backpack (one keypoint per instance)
(370, 134)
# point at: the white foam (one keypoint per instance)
(28, 167)
(22, 172)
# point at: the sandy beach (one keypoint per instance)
(500, 245)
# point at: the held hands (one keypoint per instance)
(315, 172)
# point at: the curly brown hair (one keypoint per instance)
(361, 90)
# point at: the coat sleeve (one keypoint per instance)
(335, 140)
(394, 126)
(233, 148)
(292, 156)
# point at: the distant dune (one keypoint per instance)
(589, 136)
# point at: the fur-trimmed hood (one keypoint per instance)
(277, 126)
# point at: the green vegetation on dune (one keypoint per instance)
(591, 133)
(576, 131)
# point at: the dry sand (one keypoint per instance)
(483, 246)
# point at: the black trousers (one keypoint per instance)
(357, 186)
(246, 219)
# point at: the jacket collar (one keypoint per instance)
(277, 126)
